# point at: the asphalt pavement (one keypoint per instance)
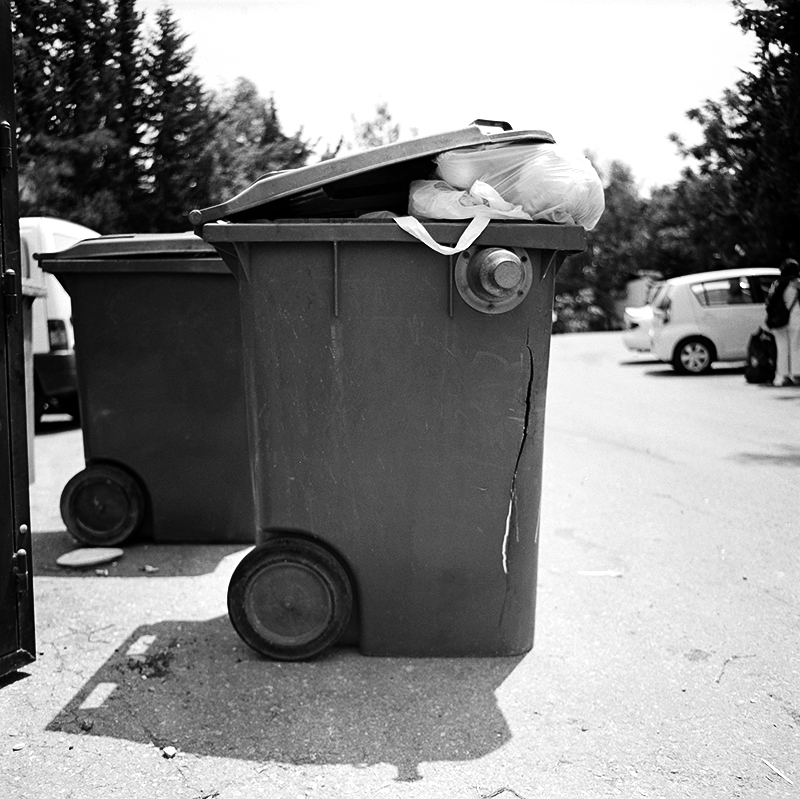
(666, 660)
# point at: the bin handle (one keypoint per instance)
(474, 229)
(492, 123)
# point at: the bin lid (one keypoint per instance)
(131, 250)
(376, 179)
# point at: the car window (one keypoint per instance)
(730, 291)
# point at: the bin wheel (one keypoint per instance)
(290, 599)
(102, 505)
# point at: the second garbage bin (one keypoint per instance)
(161, 388)
(396, 406)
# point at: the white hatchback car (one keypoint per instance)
(707, 317)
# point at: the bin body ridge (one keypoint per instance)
(402, 428)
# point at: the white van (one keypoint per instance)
(54, 381)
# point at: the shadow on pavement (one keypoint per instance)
(197, 687)
(155, 560)
(641, 361)
(14, 676)
(716, 371)
(790, 457)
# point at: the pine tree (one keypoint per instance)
(126, 104)
(176, 148)
(64, 77)
(36, 87)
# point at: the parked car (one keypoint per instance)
(55, 386)
(702, 318)
(638, 319)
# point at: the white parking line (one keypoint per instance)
(141, 645)
(98, 696)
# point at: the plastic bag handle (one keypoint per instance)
(492, 123)
(474, 229)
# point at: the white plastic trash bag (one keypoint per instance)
(436, 199)
(548, 182)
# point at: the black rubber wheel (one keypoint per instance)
(693, 356)
(102, 505)
(290, 599)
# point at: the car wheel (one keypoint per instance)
(290, 599)
(693, 357)
(102, 505)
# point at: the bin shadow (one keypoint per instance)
(154, 560)
(197, 687)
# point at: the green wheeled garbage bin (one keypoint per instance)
(161, 392)
(396, 403)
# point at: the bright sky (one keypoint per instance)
(612, 76)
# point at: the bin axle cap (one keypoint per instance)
(493, 280)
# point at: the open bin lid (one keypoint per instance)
(139, 252)
(374, 180)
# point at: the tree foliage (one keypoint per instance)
(67, 108)
(248, 141)
(747, 167)
(375, 132)
(588, 284)
(117, 132)
(768, 186)
(737, 201)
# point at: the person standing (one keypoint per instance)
(787, 338)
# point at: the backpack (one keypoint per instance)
(761, 357)
(777, 312)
